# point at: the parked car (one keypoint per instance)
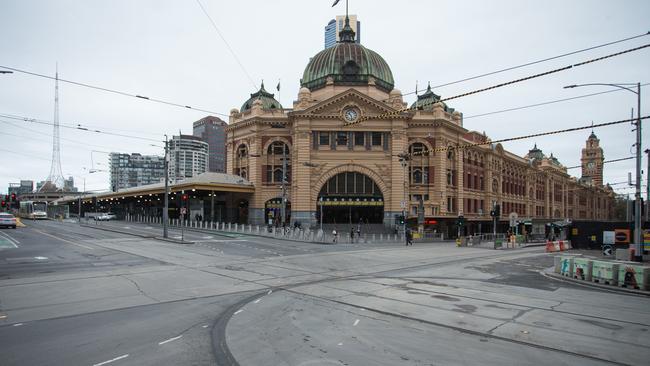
(105, 217)
(7, 220)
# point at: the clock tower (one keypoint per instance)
(592, 161)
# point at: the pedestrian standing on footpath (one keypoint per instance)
(335, 236)
(352, 235)
(409, 237)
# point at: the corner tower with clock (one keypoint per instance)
(592, 161)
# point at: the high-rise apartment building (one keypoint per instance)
(133, 170)
(188, 157)
(212, 130)
(334, 27)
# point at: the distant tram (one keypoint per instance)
(33, 210)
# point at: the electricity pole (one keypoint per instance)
(165, 216)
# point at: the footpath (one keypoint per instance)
(592, 268)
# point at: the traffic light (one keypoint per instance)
(497, 210)
(185, 197)
(4, 203)
(460, 221)
(13, 197)
(400, 219)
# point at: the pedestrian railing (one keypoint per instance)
(291, 233)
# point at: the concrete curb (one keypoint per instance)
(138, 235)
(551, 274)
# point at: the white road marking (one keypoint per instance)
(113, 360)
(3, 316)
(355, 323)
(63, 240)
(205, 326)
(18, 324)
(268, 293)
(256, 301)
(340, 344)
(12, 241)
(169, 340)
(126, 227)
(207, 237)
(41, 258)
(238, 311)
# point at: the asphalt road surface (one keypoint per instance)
(72, 295)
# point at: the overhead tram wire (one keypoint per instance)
(70, 141)
(544, 103)
(547, 133)
(605, 162)
(114, 91)
(7, 115)
(496, 86)
(44, 122)
(232, 52)
(533, 62)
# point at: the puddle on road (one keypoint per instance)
(465, 308)
(446, 298)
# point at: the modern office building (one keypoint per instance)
(24, 187)
(334, 27)
(188, 157)
(211, 129)
(134, 170)
(352, 150)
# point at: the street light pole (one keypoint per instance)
(638, 235)
(165, 217)
(647, 195)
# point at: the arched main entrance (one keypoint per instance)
(350, 197)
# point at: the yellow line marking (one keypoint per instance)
(64, 240)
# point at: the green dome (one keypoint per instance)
(427, 100)
(348, 63)
(268, 102)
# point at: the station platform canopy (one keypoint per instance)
(217, 182)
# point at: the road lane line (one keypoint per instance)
(18, 324)
(169, 340)
(64, 240)
(12, 241)
(205, 326)
(355, 323)
(238, 311)
(256, 301)
(268, 293)
(10, 238)
(113, 360)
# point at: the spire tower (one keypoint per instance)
(55, 181)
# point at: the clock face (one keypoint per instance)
(591, 165)
(351, 114)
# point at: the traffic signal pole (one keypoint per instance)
(165, 216)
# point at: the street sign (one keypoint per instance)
(183, 210)
(513, 219)
(607, 250)
(403, 204)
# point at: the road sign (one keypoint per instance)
(403, 204)
(513, 219)
(183, 210)
(607, 250)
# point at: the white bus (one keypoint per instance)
(33, 210)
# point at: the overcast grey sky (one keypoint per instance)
(169, 50)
